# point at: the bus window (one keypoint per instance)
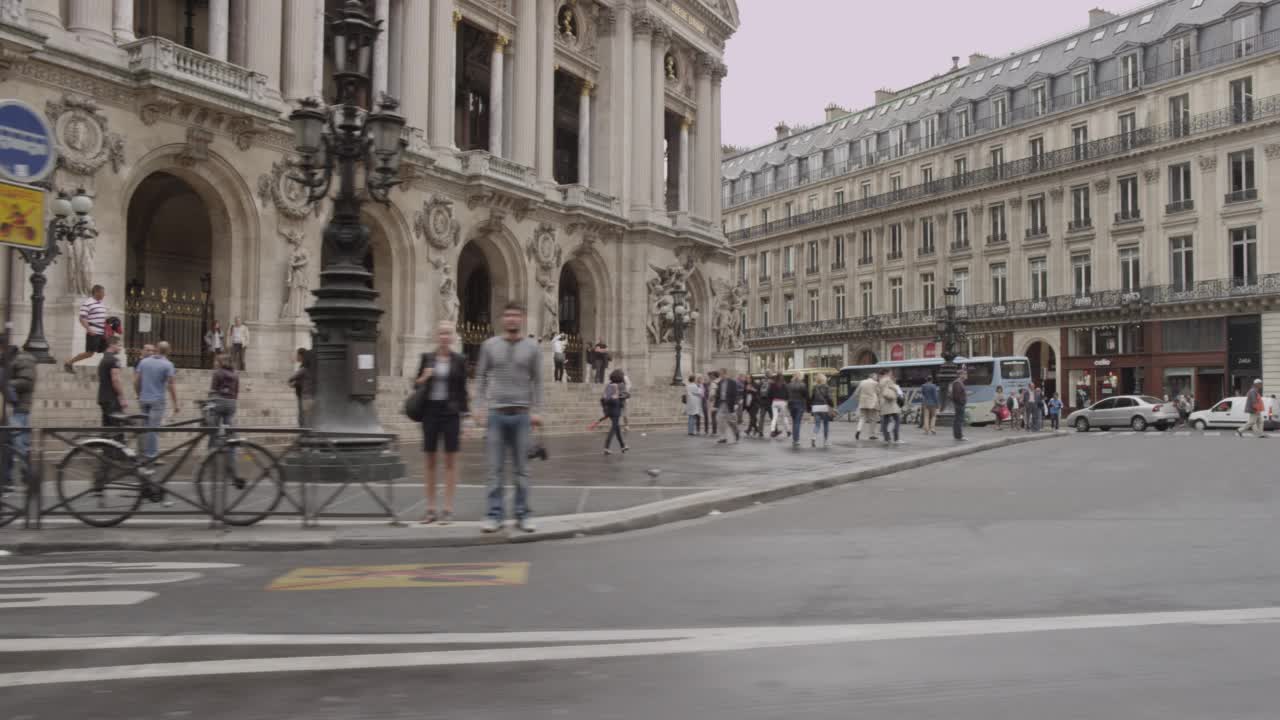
(914, 377)
(979, 373)
(1014, 370)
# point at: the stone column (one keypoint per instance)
(444, 33)
(45, 16)
(546, 90)
(661, 39)
(497, 108)
(525, 88)
(91, 20)
(264, 28)
(317, 52)
(299, 78)
(395, 47)
(684, 165)
(508, 101)
(417, 57)
(642, 99)
(584, 134)
(713, 179)
(219, 28)
(612, 171)
(122, 22)
(381, 15)
(704, 161)
(236, 32)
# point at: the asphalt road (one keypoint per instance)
(1107, 575)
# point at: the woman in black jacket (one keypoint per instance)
(447, 404)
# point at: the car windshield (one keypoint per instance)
(1151, 400)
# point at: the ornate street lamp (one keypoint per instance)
(951, 332)
(71, 222)
(680, 316)
(206, 285)
(337, 139)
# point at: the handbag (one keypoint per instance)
(415, 406)
(820, 409)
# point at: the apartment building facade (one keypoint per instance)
(1102, 202)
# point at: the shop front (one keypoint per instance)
(976, 345)
(1103, 361)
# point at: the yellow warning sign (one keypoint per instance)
(21, 216)
(422, 575)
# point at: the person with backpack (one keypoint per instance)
(868, 397)
(611, 401)
(890, 408)
(821, 405)
(930, 400)
(444, 373)
(1256, 407)
(797, 406)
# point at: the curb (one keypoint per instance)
(664, 512)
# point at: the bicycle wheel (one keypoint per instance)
(13, 495)
(253, 483)
(98, 483)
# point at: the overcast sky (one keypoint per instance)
(790, 58)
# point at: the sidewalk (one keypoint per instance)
(666, 477)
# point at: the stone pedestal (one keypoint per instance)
(734, 362)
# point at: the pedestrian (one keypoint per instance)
(868, 396)
(1184, 409)
(713, 402)
(730, 399)
(821, 405)
(778, 401)
(303, 386)
(930, 401)
(1256, 406)
(19, 390)
(1082, 398)
(224, 390)
(743, 380)
(1037, 408)
(599, 361)
(557, 355)
(959, 402)
(751, 405)
(693, 403)
(239, 343)
(509, 380)
(213, 342)
(890, 408)
(705, 381)
(444, 372)
(998, 408)
(1055, 411)
(153, 377)
(626, 397)
(111, 394)
(612, 401)
(1011, 404)
(797, 406)
(93, 318)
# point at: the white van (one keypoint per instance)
(1230, 413)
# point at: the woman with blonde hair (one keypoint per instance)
(444, 372)
(821, 405)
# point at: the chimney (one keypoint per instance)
(834, 111)
(955, 63)
(1098, 16)
(977, 58)
(884, 95)
(783, 130)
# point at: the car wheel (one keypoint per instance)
(1199, 425)
(1138, 423)
(1082, 424)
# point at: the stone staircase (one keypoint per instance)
(267, 401)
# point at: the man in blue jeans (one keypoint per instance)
(959, 397)
(152, 377)
(509, 381)
(19, 388)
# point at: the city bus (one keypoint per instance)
(1012, 372)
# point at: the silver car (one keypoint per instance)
(1132, 411)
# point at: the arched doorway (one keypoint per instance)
(866, 357)
(1044, 366)
(490, 272)
(173, 261)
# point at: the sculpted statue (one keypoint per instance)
(727, 325)
(550, 315)
(80, 256)
(297, 284)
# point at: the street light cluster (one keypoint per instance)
(952, 332)
(679, 314)
(70, 222)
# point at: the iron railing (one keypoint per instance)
(947, 133)
(997, 238)
(1080, 225)
(1128, 216)
(1034, 233)
(1107, 300)
(1240, 196)
(1179, 207)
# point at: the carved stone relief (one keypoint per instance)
(1208, 163)
(436, 224)
(197, 147)
(282, 191)
(80, 129)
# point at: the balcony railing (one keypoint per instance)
(927, 250)
(164, 58)
(1034, 233)
(1180, 206)
(788, 274)
(1128, 216)
(1080, 225)
(865, 261)
(1240, 196)
(997, 238)
(895, 255)
(960, 246)
(1213, 57)
(764, 278)
(838, 265)
(1134, 301)
(812, 270)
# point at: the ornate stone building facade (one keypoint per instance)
(1104, 202)
(559, 150)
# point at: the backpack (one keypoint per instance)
(112, 327)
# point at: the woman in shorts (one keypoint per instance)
(445, 373)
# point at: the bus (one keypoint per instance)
(1012, 372)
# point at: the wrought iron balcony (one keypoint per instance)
(998, 238)
(895, 255)
(1240, 196)
(788, 274)
(837, 265)
(1080, 225)
(1035, 233)
(927, 250)
(865, 261)
(960, 246)
(1180, 206)
(1130, 216)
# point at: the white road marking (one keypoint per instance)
(625, 643)
(74, 599)
(10, 582)
(122, 565)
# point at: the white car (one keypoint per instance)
(1229, 413)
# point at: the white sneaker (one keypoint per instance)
(527, 524)
(490, 525)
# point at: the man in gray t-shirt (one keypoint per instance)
(153, 376)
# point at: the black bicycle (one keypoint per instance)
(14, 481)
(103, 481)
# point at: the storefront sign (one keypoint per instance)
(1102, 362)
(931, 350)
(897, 352)
(21, 216)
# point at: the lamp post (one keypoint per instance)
(680, 316)
(70, 222)
(335, 140)
(951, 332)
(206, 285)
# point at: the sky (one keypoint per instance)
(791, 58)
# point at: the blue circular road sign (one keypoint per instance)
(26, 143)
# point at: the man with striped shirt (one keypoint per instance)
(93, 318)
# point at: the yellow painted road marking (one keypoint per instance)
(420, 575)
